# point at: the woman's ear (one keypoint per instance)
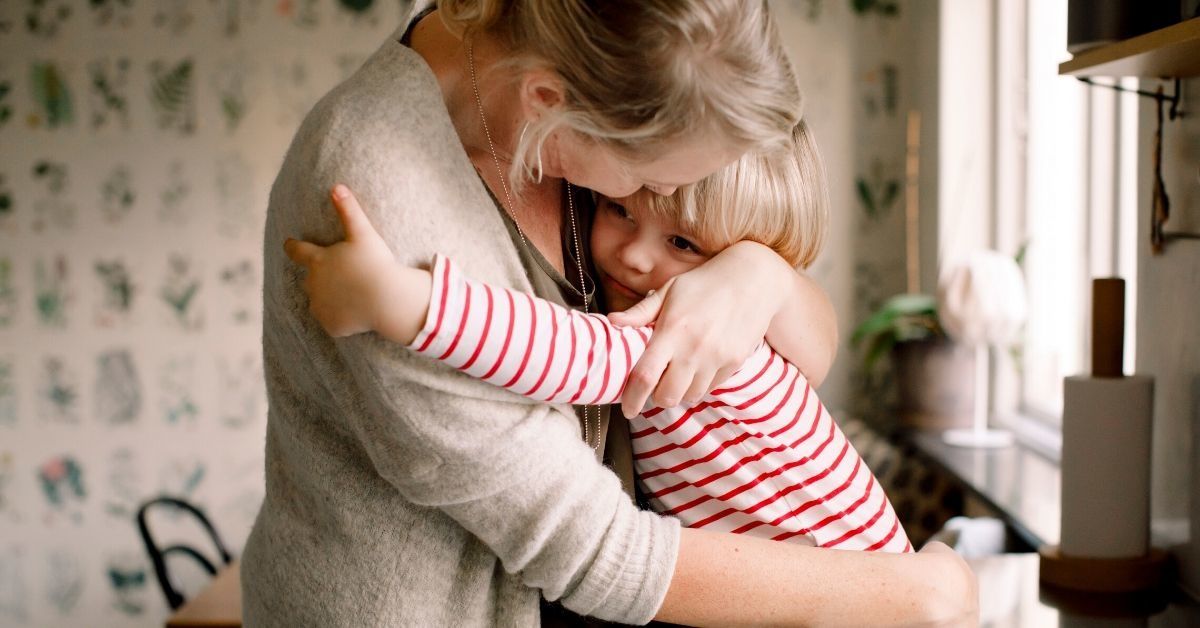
(541, 91)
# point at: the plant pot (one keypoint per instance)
(935, 381)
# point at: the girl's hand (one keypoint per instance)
(348, 284)
(712, 318)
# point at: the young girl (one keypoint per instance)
(758, 455)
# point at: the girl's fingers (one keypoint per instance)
(304, 253)
(645, 311)
(354, 220)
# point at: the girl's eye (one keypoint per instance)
(619, 210)
(683, 244)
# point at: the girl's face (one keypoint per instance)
(596, 167)
(636, 251)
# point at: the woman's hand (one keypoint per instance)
(711, 319)
(349, 284)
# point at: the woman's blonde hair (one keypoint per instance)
(778, 198)
(638, 74)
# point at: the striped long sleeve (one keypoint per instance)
(760, 455)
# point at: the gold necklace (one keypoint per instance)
(487, 133)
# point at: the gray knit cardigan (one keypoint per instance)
(400, 492)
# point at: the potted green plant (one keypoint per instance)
(933, 373)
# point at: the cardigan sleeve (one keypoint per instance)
(512, 472)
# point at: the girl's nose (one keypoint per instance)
(636, 255)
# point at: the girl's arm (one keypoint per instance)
(526, 344)
(718, 579)
(507, 338)
(712, 317)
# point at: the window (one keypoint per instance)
(1067, 194)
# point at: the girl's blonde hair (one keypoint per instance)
(778, 198)
(638, 74)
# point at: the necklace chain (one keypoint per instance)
(487, 133)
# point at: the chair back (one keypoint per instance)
(158, 555)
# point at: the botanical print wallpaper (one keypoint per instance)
(138, 142)
(854, 60)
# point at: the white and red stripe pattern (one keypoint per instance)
(759, 455)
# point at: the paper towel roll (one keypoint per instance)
(1106, 466)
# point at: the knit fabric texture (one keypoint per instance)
(400, 492)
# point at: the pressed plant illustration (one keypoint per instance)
(6, 110)
(239, 282)
(235, 14)
(116, 195)
(112, 13)
(44, 18)
(61, 479)
(117, 292)
(50, 289)
(8, 407)
(8, 294)
(302, 13)
(176, 395)
(174, 195)
(179, 292)
(229, 81)
(241, 383)
(51, 95)
(118, 392)
(173, 16)
(877, 191)
(126, 576)
(58, 395)
(173, 96)
(108, 94)
(64, 577)
(54, 208)
(8, 207)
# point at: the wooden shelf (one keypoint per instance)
(1171, 52)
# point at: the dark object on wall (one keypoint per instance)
(357, 6)
(158, 556)
(1092, 23)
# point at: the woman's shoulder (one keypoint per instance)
(392, 98)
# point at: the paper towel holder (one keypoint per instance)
(1103, 575)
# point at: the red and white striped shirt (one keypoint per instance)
(759, 455)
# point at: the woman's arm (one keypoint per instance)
(737, 580)
(717, 579)
(713, 317)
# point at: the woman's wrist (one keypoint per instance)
(803, 324)
(778, 276)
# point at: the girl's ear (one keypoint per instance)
(541, 91)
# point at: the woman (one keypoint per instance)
(402, 493)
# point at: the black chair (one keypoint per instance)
(158, 556)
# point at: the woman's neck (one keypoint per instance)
(538, 209)
(449, 58)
